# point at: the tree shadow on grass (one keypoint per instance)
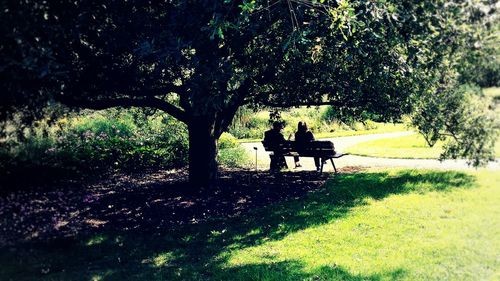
(194, 243)
(294, 270)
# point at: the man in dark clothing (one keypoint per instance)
(273, 138)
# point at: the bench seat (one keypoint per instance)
(325, 150)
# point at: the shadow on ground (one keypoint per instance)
(152, 227)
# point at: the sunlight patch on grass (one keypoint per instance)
(423, 235)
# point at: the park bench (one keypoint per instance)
(325, 150)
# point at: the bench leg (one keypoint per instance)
(333, 164)
(322, 164)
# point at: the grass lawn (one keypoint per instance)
(371, 225)
(412, 146)
(381, 128)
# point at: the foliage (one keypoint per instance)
(482, 69)
(250, 124)
(227, 140)
(330, 114)
(95, 142)
(234, 157)
(463, 116)
(480, 64)
(372, 225)
(231, 153)
(363, 57)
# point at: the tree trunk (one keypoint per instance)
(202, 152)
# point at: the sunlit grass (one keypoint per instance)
(411, 147)
(381, 128)
(453, 235)
(373, 225)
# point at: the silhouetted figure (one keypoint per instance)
(303, 138)
(273, 138)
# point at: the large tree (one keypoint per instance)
(199, 61)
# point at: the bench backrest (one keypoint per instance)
(313, 148)
(287, 146)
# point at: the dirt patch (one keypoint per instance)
(145, 202)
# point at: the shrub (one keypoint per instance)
(92, 142)
(227, 140)
(231, 153)
(234, 157)
(370, 125)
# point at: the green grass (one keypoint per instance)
(410, 147)
(381, 128)
(373, 225)
(405, 228)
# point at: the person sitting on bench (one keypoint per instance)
(274, 139)
(303, 137)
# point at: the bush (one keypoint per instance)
(234, 157)
(231, 153)
(227, 140)
(370, 125)
(93, 142)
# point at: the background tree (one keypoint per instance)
(453, 108)
(199, 61)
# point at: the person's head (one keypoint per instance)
(302, 127)
(277, 126)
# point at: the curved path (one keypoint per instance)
(341, 143)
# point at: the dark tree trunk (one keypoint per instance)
(202, 152)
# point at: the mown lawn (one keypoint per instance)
(381, 128)
(372, 225)
(411, 147)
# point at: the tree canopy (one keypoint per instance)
(199, 61)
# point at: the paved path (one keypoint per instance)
(342, 143)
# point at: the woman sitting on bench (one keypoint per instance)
(302, 139)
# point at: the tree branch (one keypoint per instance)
(129, 102)
(291, 104)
